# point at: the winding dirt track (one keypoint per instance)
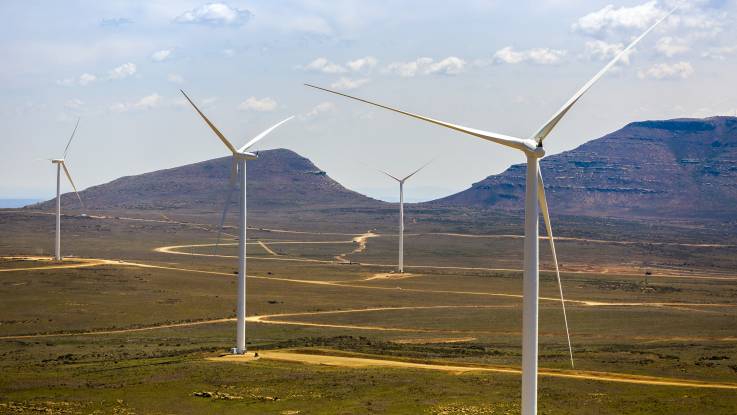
(78, 263)
(343, 361)
(361, 240)
(292, 319)
(367, 362)
(88, 262)
(267, 249)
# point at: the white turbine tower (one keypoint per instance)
(238, 167)
(534, 195)
(61, 164)
(400, 266)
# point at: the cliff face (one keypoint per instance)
(678, 168)
(277, 179)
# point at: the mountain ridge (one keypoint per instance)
(278, 179)
(679, 168)
(682, 167)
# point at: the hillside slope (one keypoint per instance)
(677, 168)
(279, 179)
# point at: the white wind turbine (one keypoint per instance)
(534, 195)
(61, 164)
(401, 182)
(238, 167)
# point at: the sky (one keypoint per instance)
(494, 65)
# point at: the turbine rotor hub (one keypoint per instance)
(245, 156)
(538, 152)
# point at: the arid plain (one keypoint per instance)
(137, 318)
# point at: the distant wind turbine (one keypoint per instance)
(534, 195)
(401, 182)
(61, 164)
(238, 168)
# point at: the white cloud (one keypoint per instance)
(86, 79)
(720, 53)
(600, 50)
(123, 71)
(348, 83)
(701, 23)
(368, 62)
(449, 66)
(161, 55)
(175, 78)
(611, 18)
(426, 66)
(262, 105)
(325, 66)
(541, 56)
(83, 80)
(215, 14)
(670, 47)
(318, 109)
(229, 53)
(74, 104)
(408, 69)
(681, 70)
(146, 103)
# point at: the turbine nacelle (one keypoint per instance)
(245, 156)
(538, 152)
(57, 161)
(238, 153)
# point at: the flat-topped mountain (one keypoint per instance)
(683, 168)
(277, 179)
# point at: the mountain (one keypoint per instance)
(682, 168)
(685, 168)
(277, 179)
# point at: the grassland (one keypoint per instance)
(133, 333)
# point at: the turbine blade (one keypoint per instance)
(66, 149)
(231, 188)
(546, 216)
(550, 125)
(69, 176)
(502, 139)
(382, 171)
(379, 170)
(418, 170)
(217, 132)
(262, 135)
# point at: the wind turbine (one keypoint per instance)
(61, 164)
(238, 168)
(534, 196)
(400, 267)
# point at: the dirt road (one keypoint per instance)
(362, 244)
(367, 362)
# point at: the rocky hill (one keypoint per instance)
(279, 179)
(684, 168)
